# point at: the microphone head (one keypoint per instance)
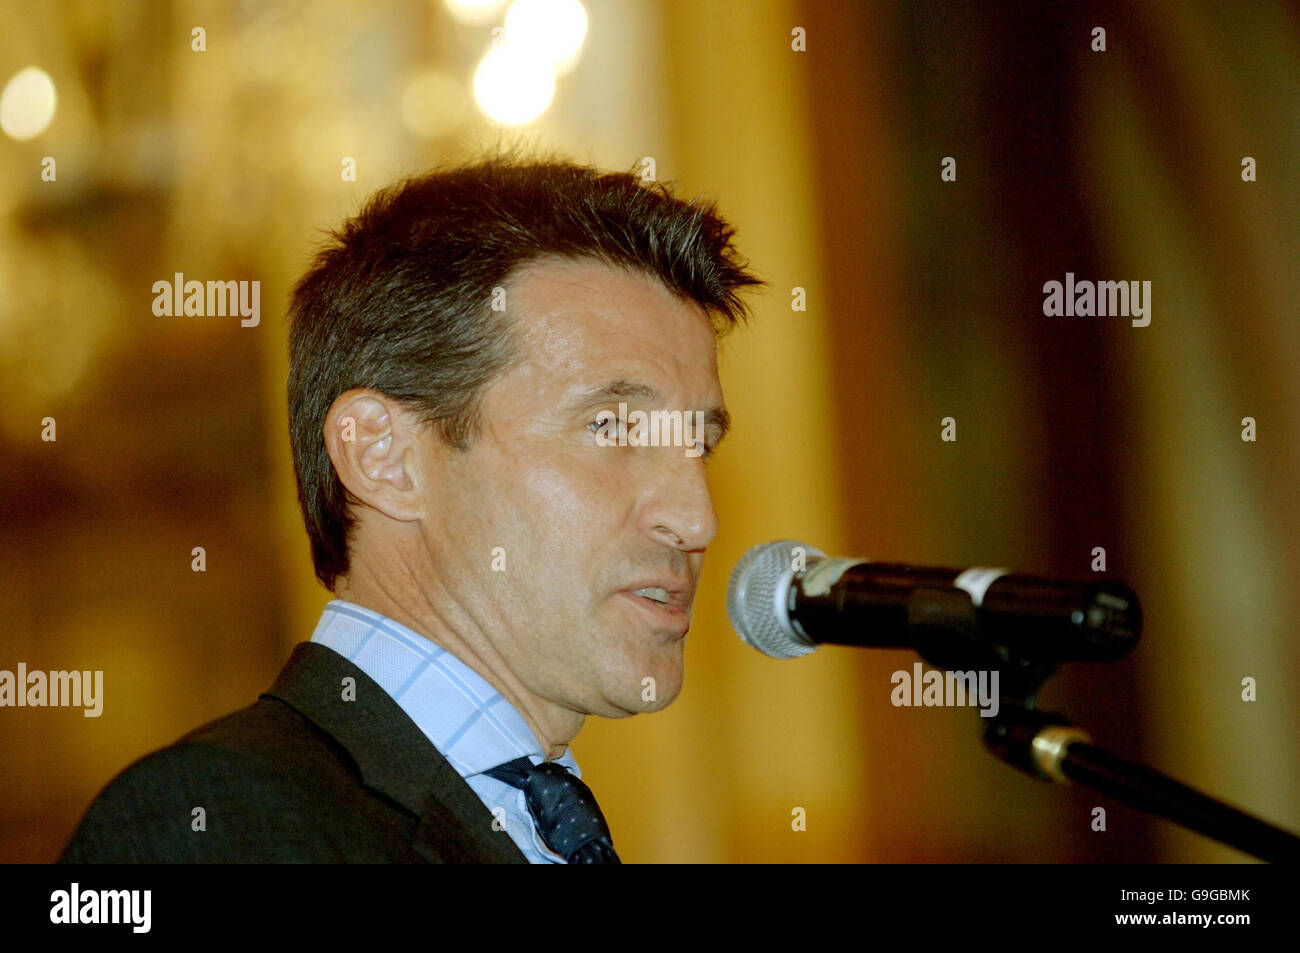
(757, 598)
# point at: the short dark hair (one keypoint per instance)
(399, 300)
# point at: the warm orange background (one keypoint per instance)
(924, 301)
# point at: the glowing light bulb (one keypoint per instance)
(553, 29)
(514, 85)
(27, 104)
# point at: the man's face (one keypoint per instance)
(574, 525)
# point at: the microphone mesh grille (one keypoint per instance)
(759, 584)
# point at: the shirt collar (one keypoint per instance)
(458, 710)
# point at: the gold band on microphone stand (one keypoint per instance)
(1049, 748)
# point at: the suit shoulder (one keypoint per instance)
(242, 788)
(271, 734)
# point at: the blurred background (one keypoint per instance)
(820, 128)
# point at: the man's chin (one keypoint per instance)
(638, 705)
(648, 685)
(662, 681)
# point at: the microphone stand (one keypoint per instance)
(1048, 747)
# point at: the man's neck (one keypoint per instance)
(553, 726)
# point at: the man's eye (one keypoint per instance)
(610, 427)
(616, 430)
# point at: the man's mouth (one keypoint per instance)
(669, 609)
(654, 594)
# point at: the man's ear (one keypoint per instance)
(373, 443)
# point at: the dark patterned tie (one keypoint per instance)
(563, 807)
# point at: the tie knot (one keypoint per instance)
(563, 808)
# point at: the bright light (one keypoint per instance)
(27, 104)
(554, 29)
(473, 12)
(513, 85)
(433, 105)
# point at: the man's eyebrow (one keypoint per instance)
(619, 388)
(714, 417)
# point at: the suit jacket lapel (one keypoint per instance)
(394, 756)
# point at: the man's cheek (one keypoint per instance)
(565, 498)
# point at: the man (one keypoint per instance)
(507, 558)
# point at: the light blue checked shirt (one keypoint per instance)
(466, 718)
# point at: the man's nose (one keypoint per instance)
(680, 512)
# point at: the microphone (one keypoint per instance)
(786, 598)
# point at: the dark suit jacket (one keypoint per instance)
(299, 776)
